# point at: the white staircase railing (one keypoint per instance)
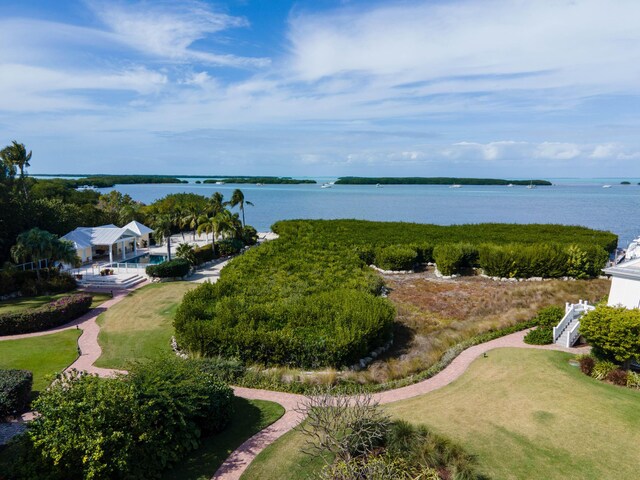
(572, 313)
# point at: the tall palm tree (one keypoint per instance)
(190, 218)
(37, 244)
(216, 203)
(162, 225)
(15, 155)
(186, 252)
(237, 199)
(216, 224)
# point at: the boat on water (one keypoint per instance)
(378, 185)
(633, 250)
(455, 185)
(219, 183)
(606, 186)
(531, 186)
(325, 185)
(82, 188)
(259, 184)
(510, 185)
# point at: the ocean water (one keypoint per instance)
(569, 202)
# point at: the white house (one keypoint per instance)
(108, 240)
(625, 284)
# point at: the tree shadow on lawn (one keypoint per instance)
(202, 463)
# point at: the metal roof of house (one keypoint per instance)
(85, 237)
(138, 228)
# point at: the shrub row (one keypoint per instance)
(51, 315)
(15, 390)
(27, 283)
(132, 426)
(175, 268)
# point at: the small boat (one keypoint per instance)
(455, 185)
(258, 184)
(219, 183)
(378, 185)
(510, 185)
(82, 188)
(325, 185)
(633, 250)
(606, 186)
(531, 186)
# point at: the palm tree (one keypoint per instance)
(216, 203)
(15, 155)
(162, 225)
(36, 245)
(186, 252)
(190, 219)
(238, 199)
(215, 224)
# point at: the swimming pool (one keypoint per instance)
(146, 259)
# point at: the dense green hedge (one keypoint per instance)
(51, 315)
(51, 281)
(176, 268)
(285, 303)
(132, 426)
(229, 246)
(396, 257)
(15, 390)
(362, 232)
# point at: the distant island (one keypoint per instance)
(263, 180)
(106, 181)
(435, 181)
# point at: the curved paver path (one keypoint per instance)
(239, 460)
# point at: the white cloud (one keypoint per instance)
(169, 30)
(557, 151)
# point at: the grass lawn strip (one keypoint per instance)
(43, 355)
(524, 413)
(140, 326)
(250, 416)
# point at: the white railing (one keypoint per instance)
(574, 333)
(570, 311)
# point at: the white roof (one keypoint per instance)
(85, 237)
(138, 228)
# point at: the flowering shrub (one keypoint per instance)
(47, 316)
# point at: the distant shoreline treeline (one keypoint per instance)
(264, 180)
(435, 181)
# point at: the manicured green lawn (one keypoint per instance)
(23, 303)
(249, 418)
(44, 356)
(140, 326)
(524, 413)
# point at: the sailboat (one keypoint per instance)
(531, 186)
(455, 185)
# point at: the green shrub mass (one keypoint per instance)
(132, 426)
(613, 333)
(288, 303)
(309, 300)
(27, 283)
(501, 250)
(51, 315)
(15, 390)
(178, 267)
(434, 181)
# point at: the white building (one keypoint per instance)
(625, 284)
(110, 241)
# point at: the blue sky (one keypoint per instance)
(506, 88)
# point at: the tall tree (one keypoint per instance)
(237, 199)
(215, 224)
(36, 245)
(16, 155)
(162, 225)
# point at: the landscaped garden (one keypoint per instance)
(523, 413)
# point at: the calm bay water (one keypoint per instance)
(571, 203)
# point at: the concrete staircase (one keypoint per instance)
(111, 282)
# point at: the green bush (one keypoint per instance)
(15, 391)
(449, 258)
(602, 368)
(633, 380)
(424, 252)
(229, 246)
(396, 257)
(26, 282)
(539, 336)
(549, 316)
(176, 268)
(249, 235)
(47, 316)
(613, 333)
(204, 254)
(366, 253)
(132, 426)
